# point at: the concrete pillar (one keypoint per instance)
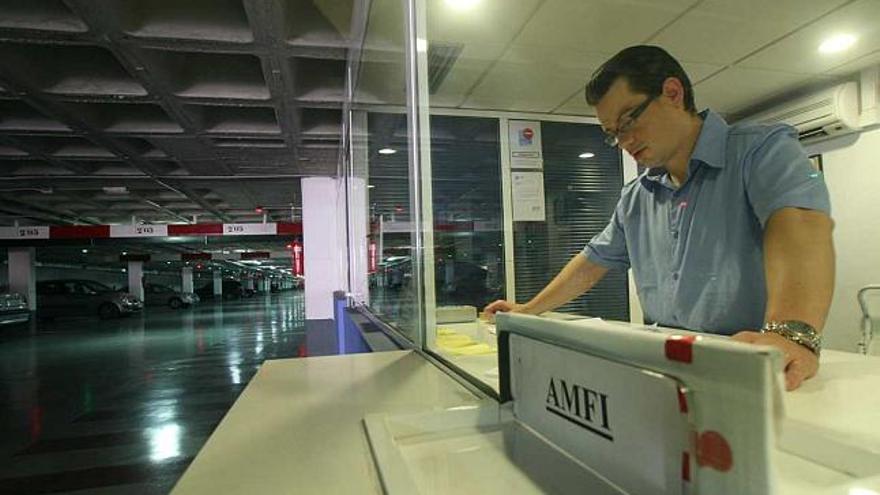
(23, 274)
(359, 229)
(187, 274)
(249, 282)
(359, 208)
(218, 282)
(136, 279)
(324, 248)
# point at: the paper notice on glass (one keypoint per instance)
(528, 196)
(525, 144)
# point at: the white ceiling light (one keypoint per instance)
(462, 4)
(387, 151)
(586, 155)
(837, 43)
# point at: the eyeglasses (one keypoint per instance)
(613, 139)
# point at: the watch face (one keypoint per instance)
(800, 327)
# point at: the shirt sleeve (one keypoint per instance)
(778, 174)
(608, 248)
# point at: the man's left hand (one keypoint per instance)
(800, 362)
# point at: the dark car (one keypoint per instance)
(162, 295)
(232, 289)
(72, 297)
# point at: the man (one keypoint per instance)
(728, 231)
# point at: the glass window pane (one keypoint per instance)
(380, 154)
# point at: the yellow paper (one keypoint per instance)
(473, 350)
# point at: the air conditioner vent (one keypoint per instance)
(818, 116)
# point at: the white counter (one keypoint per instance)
(297, 427)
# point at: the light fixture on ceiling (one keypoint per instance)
(837, 43)
(586, 154)
(387, 151)
(124, 253)
(370, 186)
(462, 4)
(85, 251)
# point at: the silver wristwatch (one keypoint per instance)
(796, 331)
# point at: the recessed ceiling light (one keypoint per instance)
(387, 151)
(462, 4)
(586, 155)
(837, 43)
(370, 186)
(85, 251)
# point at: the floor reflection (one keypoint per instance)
(125, 404)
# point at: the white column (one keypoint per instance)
(249, 282)
(359, 219)
(23, 274)
(359, 207)
(218, 282)
(136, 279)
(187, 274)
(324, 249)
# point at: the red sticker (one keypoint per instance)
(713, 451)
(682, 401)
(528, 133)
(680, 348)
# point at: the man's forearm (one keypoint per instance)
(799, 266)
(578, 276)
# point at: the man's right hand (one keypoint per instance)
(502, 306)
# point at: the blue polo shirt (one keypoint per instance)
(697, 251)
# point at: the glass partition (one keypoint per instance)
(379, 151)
(486, 169)
(521, 177)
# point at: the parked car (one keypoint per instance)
(162, 295)
(232, 289)
(13, 309)
(71, 297)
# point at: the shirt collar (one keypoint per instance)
(711, 148)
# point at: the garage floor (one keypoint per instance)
(123, 406)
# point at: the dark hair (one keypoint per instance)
(645, 68)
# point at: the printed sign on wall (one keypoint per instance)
(24, 232)
(525, 144)
(528, 196)
(138, 231)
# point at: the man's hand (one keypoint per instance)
(502, 306)
(800, 362)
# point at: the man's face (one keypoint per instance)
(651, 138)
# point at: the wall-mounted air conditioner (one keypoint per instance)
(820, 115)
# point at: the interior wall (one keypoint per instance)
(852, 172)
